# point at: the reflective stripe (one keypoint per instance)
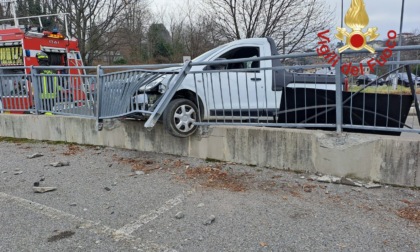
(45, 92)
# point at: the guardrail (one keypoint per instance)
(272, 91)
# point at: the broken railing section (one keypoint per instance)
(117, 91)
(122, 93)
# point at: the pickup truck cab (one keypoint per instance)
(249, 89)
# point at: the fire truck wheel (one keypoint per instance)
(179, 116)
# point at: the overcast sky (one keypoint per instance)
(384, 14)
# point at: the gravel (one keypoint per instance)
(111, 199)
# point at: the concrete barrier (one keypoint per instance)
(390, 160)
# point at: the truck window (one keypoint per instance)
(241, 53)
(57, 59)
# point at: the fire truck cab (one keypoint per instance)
(19, 45)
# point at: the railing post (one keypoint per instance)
(158, 111)
(338, 98)
(2, 93)
(98, 98)
(35, 88)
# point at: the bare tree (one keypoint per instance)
(92, 22)
(133, 28)
(293, 24)
(192, 31)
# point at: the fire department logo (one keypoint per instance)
(357, 19)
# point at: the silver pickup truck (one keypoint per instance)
(247, 89)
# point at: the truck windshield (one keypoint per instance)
(204, 56)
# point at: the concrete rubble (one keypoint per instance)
(60, 164)
(35, 155)
(44, 189)
(209, 220)
(343, 181)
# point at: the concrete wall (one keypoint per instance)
(390, 160)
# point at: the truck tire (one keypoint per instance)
(179, 116)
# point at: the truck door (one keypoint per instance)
(239, 89)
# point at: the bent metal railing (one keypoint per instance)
(253, 94)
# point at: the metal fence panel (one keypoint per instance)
(254, 91)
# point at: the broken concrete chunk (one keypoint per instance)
(35, 155)
(179, 215)
(350, 182)
(209, 220)
(60, 164)
(44, 189)
(324, 179)
(336, 180)
(372, 185)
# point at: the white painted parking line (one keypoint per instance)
(146, 218)
(89, 225)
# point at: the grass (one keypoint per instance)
(384, 89)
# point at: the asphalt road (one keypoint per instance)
(184, 204)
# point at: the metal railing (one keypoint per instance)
(276, 91)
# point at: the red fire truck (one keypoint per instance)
(19, 45)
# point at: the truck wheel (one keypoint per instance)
(179, 116)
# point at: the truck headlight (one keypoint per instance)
(152, 84)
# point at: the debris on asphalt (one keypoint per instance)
(60, 164)
(411, 212)
(343, 181)
(324, 179)
(107, 189)
(350, 182)
(36, 184)
(200, 205)
(72, 150)
(60, 236)
(73, 204)
(139, 172)
(179, 215)
(263, 244)
(35, 155)
(18, 172)
(44, 189)
(209, 220)
(372, 185)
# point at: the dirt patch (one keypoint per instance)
(72, 150)
(215, 177)
(149, 165)
(411, 212)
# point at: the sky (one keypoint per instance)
(384, 14)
